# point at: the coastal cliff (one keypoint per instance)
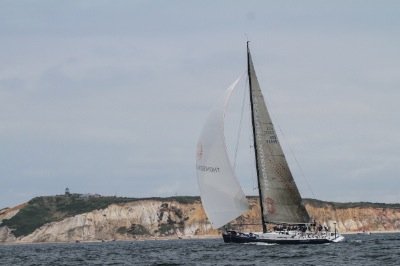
(181, 217)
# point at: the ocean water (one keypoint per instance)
(374, 249)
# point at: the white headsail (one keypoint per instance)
(221, 194)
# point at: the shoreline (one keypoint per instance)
(370, 232)
(161, 238)
(167, 238)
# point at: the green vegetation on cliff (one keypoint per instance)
(42, 210)
(345, 205)
(134, 230)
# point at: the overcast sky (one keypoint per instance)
(109, 97)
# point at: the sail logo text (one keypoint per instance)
(210, 169)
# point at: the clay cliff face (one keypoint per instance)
(357, 218)
(133, 220)
(146, 219)
(7, 213)
(5, 233)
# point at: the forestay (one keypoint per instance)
(221, 194)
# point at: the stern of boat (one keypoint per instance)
(338, 238)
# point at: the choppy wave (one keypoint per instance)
(261, 244)
(375, 249)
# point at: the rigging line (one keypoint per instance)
(239, 128)
(252, 162)
(290, 149)
(298, 164)
(252, 158)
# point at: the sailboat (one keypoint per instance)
(284, 218)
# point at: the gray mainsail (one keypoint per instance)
(279, 196)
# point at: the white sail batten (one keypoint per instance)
(281, 199)
(221, 195)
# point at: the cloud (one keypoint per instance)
(110, 98)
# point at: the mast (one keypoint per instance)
(264, 226)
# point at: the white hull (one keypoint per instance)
(283, 237)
